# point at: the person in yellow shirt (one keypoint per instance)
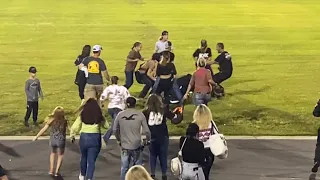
(89, 125)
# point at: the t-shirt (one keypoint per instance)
(204, 134)
(117, 96)
(95, 66)
(157, 122)
(200, 81)
(225, 65)
(33, 90)
(206, 53)
(192, 151)
(162, 46)
(127, 128)
(130, 66)
(170, 68)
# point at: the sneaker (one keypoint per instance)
(315, 167)
(35, 124)
(81, 177)
(153, 176)
(26, 124)
(164, 178)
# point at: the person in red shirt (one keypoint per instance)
(202, 82)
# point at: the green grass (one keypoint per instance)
(275, 46)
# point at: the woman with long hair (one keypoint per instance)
(156, 114)
(202, 83)
(137, 172)
(131, 63)
(89, 124)
(81, 78)
(163, 44)
(58, 128)
(147, 71)
(192, 154)
(203, 118)
(166, 72)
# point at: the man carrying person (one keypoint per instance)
(96, 71)
(127, 129)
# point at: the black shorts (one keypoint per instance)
(2, 172)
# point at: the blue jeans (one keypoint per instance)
(129, 158)
(90, 145)
(129, 79)
(159, 148)
(148, 83)
(201, 98)
(175, 88)
(113, 112)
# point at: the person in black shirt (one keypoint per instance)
(166, 71)
(203, 52)
(156, 114)
(192, 154)
(81, 79)
(225, 64)
(316, 113)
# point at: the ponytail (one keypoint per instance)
(136, 44)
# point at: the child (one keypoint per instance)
(58, 127)
(33, 91)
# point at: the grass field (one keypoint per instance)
(275, 46)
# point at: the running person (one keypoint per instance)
(127, 129)
(58, 128)
(116, 95)
(81, 78)
(96, 70)
(131, 63)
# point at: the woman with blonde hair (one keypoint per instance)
(58, 128)
(202, 116)
(138, 172)
(202, 83)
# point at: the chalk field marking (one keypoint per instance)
(21, 138)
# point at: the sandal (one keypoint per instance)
(50, 173)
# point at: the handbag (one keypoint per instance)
(218, 144)
(176, 167)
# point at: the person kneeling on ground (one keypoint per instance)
(127, 129)
(225, 69)
(316, 113)
(192, 154)
(202, 82)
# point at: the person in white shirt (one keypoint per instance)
(203, 118)
(116, 95)
(162, 43)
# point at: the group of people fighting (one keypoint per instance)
(159, 74)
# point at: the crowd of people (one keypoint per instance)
(159, 77)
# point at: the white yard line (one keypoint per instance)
(20, 138)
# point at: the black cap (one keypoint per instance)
(203, 43)
(164, 33)
(32, 69)
(131, 101)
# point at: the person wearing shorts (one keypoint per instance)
(96, 70)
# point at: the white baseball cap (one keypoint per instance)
(97, 48)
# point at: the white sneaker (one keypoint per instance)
(82, 101)
(81, 177)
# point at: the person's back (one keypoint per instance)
(130, 122)
(117, 96)
(95, 66)
(201, 80)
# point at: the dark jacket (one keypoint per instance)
(316, 111)
(80, 76)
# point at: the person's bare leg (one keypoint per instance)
(4, 177)
(59, 161)
(52, 156)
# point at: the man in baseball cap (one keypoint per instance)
(32, 69)
(96, 71)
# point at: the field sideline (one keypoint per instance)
(275, 47)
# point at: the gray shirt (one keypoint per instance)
(95, 66)
(162, 46)
(33, 90)
(127, 128)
